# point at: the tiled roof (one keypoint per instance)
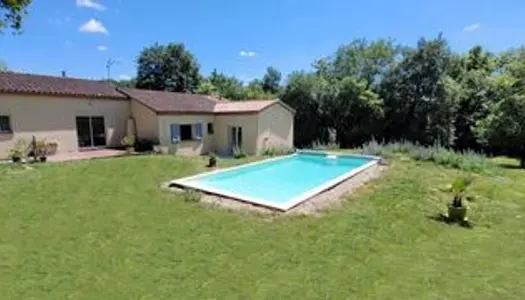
(242, 106)
(49, 85)
(169, 102)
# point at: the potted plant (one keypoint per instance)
(212, 161)
(41, 150)
(128, 142)
(457, 209)
(16, 153)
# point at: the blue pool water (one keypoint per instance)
(279, 181)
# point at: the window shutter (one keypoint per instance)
(197, 131)
(175, 133)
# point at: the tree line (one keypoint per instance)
(379, 90)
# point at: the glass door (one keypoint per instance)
(84, 132)
(99, 131)
(235, 138)
(91, 132)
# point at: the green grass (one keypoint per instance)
(103, 229)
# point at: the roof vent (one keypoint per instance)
(63, 74)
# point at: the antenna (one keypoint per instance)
(109, 64)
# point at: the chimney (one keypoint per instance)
(63, 74)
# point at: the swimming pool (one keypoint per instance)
(282, 182)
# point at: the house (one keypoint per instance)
(79, 114)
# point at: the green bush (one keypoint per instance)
(325, 147)
(238, 153)
(272, 151)
(467, 160)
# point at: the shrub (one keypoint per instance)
(467, 160)
(128, 141)
(144, 145)
(212, 160)
(327, 146)
(238, 153)
(18, 151)
(273, 151)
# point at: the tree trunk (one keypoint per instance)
(522, 159)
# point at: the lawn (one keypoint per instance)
(103, 229)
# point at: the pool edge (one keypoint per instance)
(183, 182)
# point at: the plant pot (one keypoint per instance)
(16, 159)
(43, 159)
(457, 213)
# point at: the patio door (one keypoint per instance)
(91, 132)
(235, 138)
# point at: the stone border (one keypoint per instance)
(314, 205)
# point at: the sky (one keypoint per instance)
(242, 38)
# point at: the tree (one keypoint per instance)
(271, 80)
(361, 59)
(505, 126)
(420, 97)
(354, 111)
(3, 66)
(126, 83)
(169, 68)
(12, 13)
(307, 93)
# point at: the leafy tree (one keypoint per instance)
(3, 66)
(307, 93)
(170, 68)
(505, 127)
(420, 97)
(12, 13)
(271, 80)
(354, 111)
(364, 60)
(128, 83)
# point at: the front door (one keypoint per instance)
(91, 132)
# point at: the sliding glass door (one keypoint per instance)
(91, 132)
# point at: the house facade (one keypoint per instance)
(80, 115)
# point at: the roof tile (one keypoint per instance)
(49, 85)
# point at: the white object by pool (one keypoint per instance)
(282, 182)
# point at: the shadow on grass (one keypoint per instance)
(444, 219)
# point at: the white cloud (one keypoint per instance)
(90, 4)
(247, 53)
(102, 48)
(472, 27)
(124, 77)
(93, 26)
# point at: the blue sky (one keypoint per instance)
(242, 38)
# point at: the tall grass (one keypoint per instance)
(465, 160)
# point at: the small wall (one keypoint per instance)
(146, 121)
(275, 129)
(54, 119)
(203, 146)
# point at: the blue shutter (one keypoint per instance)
(175, 133)
(197, 131)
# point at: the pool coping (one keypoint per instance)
(183, 182)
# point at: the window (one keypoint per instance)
(210, 128)
(5, 124)
(186, 132)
